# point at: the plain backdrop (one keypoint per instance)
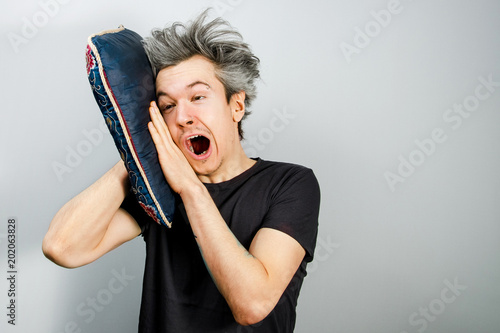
(393, 104)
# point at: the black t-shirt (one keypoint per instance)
(178, 293)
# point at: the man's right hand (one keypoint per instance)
(176, 168)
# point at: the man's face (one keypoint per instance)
(201, 121)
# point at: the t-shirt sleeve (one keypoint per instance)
(131, 205)
(294, 208)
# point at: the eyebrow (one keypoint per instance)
(189, 86)
(198, 82)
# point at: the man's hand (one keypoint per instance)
(177, 170)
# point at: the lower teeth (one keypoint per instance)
(192, 150)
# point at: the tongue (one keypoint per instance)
(200, 144)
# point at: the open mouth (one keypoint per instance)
(198, 144)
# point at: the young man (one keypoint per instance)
(244, 229)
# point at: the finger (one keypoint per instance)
(159, 122)
(161, 134)
(155, 125)
(154, 134)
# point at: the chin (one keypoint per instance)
(206, 168)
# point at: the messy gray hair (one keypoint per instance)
(236, 67)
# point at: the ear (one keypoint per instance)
(238, 106)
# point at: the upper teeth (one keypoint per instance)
(192, 137)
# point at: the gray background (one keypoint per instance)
(418, 254)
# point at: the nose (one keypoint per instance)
(184, 115)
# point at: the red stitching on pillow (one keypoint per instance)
(90, 60)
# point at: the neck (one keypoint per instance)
(234, 165)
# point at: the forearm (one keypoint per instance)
(241, 278)
(80, 225)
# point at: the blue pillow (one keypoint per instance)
(123, 86)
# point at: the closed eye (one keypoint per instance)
(166, 108)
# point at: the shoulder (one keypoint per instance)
(276, 167)
(287, 173)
